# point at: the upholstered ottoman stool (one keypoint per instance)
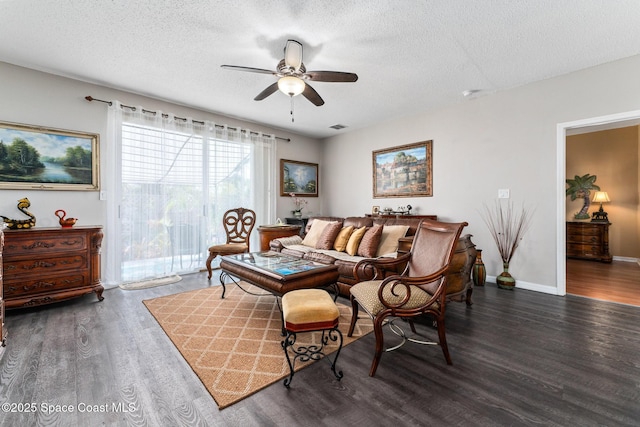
(310, 310)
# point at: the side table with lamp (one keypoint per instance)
(590, 240)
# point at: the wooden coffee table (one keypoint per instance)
(277, 273)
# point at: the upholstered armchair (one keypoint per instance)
(420, 289)
(238, 224)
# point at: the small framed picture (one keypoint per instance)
(375, 210)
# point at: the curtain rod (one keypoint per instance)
(91, 98)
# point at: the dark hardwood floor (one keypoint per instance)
(618, 281)
(520, 358)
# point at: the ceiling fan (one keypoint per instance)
(293, 77)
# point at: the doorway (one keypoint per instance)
(563, 130)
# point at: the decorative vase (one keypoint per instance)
(505, 280)
(479, 271)
(297, 214)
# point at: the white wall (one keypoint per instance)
(36, 98)
(503, 140)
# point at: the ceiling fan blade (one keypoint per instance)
(331, 76)
(249, 69)
(293, 54)
(311, 94)
(268, 91)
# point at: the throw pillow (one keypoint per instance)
(342, 239)
(369, 243)
(354, 240)
(329, 235)
(317, 227)
(389, 239)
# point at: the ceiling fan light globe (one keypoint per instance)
(290, 85)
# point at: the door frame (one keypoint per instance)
(592, 124)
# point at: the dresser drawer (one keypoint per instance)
(585, 230)
(46, 265)
(583, 238)
(50, 283)
(584, 250)
(47, 243)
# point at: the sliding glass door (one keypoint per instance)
(176, 182)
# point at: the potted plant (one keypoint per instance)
(581, 186)
(507, 228)
(299, 205)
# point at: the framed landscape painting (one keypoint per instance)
(403, 171)
(299, 178)
(38, 158)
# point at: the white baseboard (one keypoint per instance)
(626, 259)
(520, 284)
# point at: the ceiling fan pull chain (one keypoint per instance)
(291, 109)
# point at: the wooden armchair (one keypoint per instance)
(420, 289)
(238, 224)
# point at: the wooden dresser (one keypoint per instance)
(588, 240)
(47, 265)
(3, 330)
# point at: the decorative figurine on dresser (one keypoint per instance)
(48, 265)
(17, 224)
(65, 222)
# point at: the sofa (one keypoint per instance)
(380, 236)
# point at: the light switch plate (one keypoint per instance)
(503, 193)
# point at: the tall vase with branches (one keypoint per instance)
(507, 227)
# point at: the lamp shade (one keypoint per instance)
(601, 197)
(291, 85)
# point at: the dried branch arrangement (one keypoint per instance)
(507, 227)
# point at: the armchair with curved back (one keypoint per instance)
(419, 289)
(238, 224)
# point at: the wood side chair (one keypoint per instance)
(420, 289)
(238, 224)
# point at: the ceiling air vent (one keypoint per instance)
(337, 127)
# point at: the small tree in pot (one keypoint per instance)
(580, 187)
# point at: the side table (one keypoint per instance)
(588, 240)
(269, 232)
(302, 222)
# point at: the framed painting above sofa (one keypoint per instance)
(299, 178)
(403, 171)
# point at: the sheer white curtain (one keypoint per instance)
(173, 179)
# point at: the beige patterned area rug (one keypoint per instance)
(233, 344)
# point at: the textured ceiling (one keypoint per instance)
(409, 55)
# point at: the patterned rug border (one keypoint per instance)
(223, 401)
(150, 283)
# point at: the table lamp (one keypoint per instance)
(600, 197)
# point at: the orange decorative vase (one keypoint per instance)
(479, 270)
